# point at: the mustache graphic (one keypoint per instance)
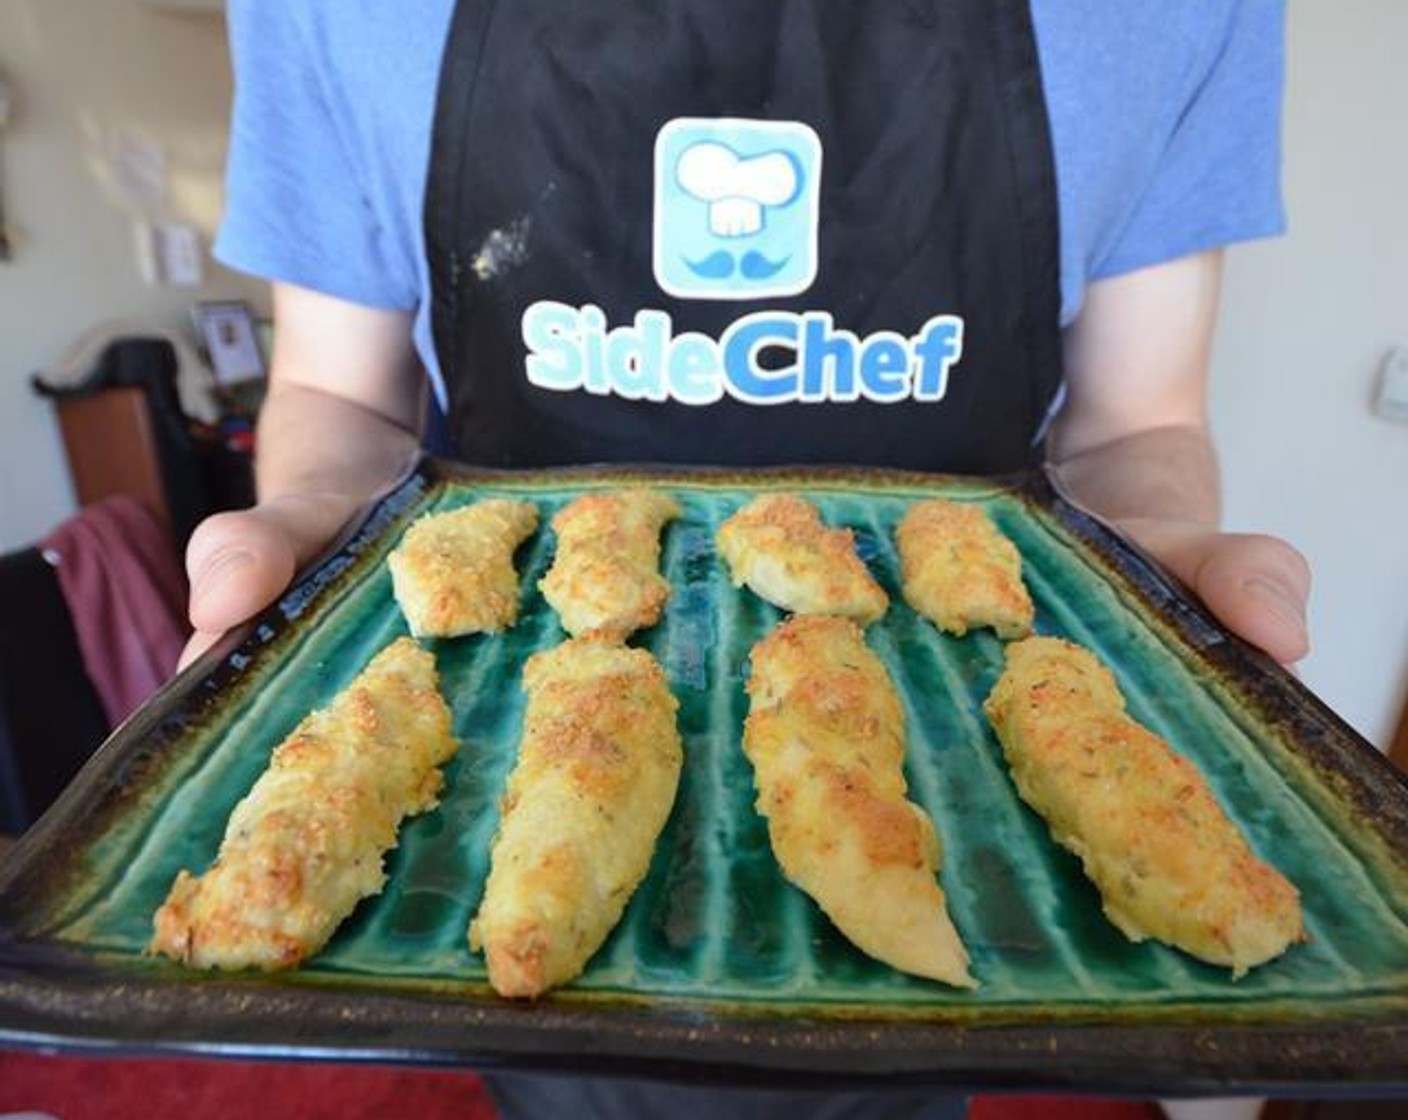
(721, 265)
(716, 266)
(755, 266)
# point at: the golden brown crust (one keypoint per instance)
(453, 572)
(825, 733)
(778, 545)
(306, 845)
(594, 784)
(605, 580)
(1167, 860)
(960, 572)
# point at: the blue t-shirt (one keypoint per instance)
(1165, 119)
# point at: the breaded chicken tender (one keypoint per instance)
(826, 736)
(960, 572)
(306, 844)
(778, 546)
(453, 572)
(594, 784)
(605, 580)
(1168, 862)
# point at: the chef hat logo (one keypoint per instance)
(737, 189)
(737, 208)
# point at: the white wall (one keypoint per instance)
(1307, 321)
(84, 71)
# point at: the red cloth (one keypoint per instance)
(188, 1089)
(1061, 1108)
(126, 593)
(146, 1088)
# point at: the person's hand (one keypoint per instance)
(1256, 585)
(238, 563)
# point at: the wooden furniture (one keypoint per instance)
(1398, 745)
(112, 448)
(125, 434)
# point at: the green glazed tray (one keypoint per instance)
(719, 968)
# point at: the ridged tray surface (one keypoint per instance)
(715, 924)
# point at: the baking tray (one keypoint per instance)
(720, 969)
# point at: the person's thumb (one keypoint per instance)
(237, 564)
(1256, 585)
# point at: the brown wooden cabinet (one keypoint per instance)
(124, 440)
(1398, 747)
(112, 449)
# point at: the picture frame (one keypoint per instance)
(230, 337)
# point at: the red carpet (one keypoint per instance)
(1061, 1108)
(152, 1089)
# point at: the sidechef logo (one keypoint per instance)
(736, 218)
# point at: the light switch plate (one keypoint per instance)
(1391, 400)
(170, 254)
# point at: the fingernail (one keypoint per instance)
(218, 571)
(1274, 598)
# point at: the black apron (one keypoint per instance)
(905, 142)
(907, 316)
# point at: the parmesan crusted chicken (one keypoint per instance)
(604, 581)
(960, 572)
(778, 546)
(826, 735)
(594, 784)
(306, 844)
(1168, 862)
(453, 572)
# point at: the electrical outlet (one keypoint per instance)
(1391, 400)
